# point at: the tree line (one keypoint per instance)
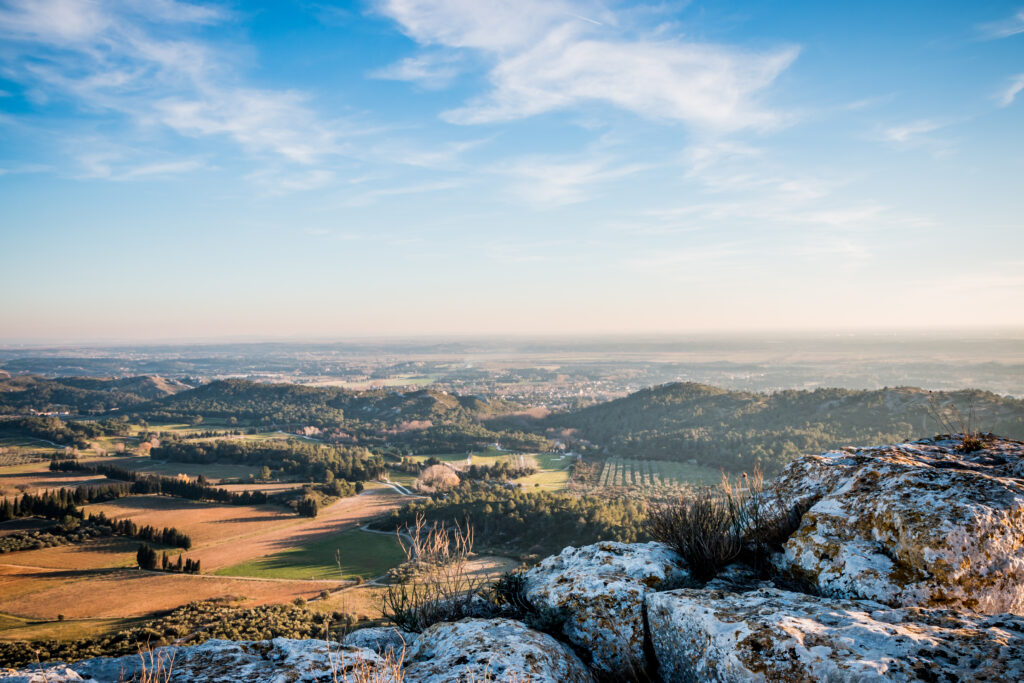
(145, 484)
(313, 461)
(62, 505)
(146, 557)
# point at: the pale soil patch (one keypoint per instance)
(344, 514)
(129, 592)
(205, 523)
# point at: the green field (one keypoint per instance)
(552, 472)
(362, 555)
(647, 473)
(487, 456)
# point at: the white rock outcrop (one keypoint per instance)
(473, 650)
(601, 588)
(281, 660)
(384, 640)
(918, 523)
(774, 635)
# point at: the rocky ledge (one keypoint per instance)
(909, 561)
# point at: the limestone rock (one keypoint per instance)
(917, 523)
(382, 640)
(281, 660)
(491, 650)
(601, 587)
(57, 672)
(774, 635)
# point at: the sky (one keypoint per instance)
(247, 170)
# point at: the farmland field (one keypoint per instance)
(206, 523)
(360, 554)
(656, 473)
(552, 469)
(552, 472)
(214, 472)
(119, 593)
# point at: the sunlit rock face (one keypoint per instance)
(384, 640)
(774, 635)
(223, 661)
(601, 588)
(919, 523)
(491, 650)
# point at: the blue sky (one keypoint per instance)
(393, 167)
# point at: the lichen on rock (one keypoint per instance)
(473, 650)
(281, 660)
(919, 523)
(601, 588)
(774, 635)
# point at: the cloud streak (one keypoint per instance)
(551, 55)
(1009, 94)
(1005, 28)
(138, 59)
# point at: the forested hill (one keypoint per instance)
(425, 421)
(321, 406)
(737, 429)
(81, 395)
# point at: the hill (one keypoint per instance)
(85, 395)
(426, 420)
(735, 429)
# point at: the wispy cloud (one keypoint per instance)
(139, 60)
(1004, 28)
(431, 70)
(549, 55)
(555, 181)
(911, 131)
(1006, 97)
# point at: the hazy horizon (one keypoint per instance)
(177, 171)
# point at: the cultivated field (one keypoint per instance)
(213, 472)
(348, 555)
(552, 469)
(34, 593)
(345, 514)
(34, 476)
(97, 587)
(206, 523)
(656, 473)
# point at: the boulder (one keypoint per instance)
(220, 661)
(382, 640)
(773, 635)
(601, 589)
(54, 672)
(914, 524)
(491, 650)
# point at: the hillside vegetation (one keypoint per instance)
(81, 394)
(737, 430)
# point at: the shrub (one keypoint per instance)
(444, 588)
(716, 527)
(437, 478)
